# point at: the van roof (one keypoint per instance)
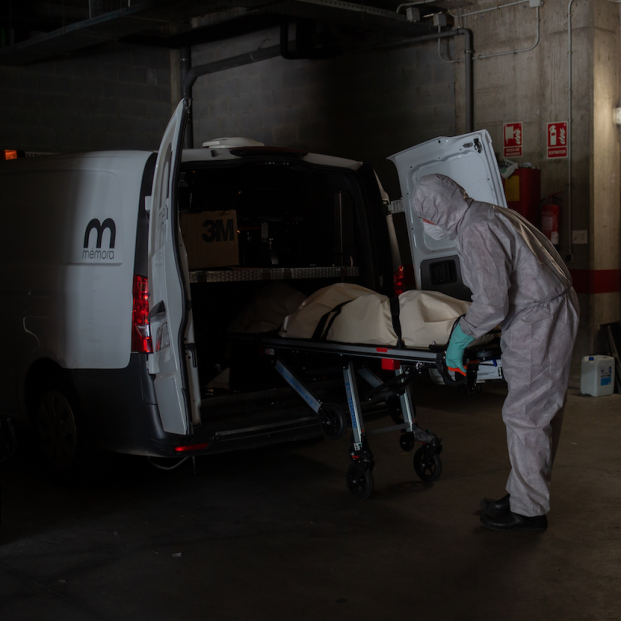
(209, 155)
(110, 159)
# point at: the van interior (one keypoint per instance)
(289, 215)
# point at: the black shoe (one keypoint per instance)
(514, 521)
(495, 506)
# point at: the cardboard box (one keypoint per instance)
(210, 239)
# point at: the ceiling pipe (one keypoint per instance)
(304, 44)
(189, 74)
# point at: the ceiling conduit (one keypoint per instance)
(189, 74)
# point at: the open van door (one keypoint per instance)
(172, 361)
(469, 160)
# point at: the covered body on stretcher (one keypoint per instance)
(351, 320)
(393, 331)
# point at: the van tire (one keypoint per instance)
(67, 450)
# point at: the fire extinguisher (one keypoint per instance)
(550, 217)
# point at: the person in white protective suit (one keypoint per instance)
(518, 281)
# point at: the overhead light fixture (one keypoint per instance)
(616, 115)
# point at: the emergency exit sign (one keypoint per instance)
(513, 139)
(557, 139)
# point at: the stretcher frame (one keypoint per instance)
(407, 364)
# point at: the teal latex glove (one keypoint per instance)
(455, 350)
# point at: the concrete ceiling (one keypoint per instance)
(37, 30)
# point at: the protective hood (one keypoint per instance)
(442, 201)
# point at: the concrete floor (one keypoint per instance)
(274, 534)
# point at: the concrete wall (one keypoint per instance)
(363, 106)
(367, 106)
(532, 87)
(112, 97)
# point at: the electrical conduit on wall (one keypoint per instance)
(459, 16)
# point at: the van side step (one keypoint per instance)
(273, 393)
(299, 425)
(269, 429)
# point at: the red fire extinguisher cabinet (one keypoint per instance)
(523, 193)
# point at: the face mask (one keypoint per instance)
(433, 230)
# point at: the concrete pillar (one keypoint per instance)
(605, 212)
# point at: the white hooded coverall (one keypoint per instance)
(518, 281)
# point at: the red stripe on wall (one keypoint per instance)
(596, 281)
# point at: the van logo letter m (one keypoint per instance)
(97, 254)
(100, 228)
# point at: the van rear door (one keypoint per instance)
(172, 362)
(469, 160)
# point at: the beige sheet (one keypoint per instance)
(426, 317)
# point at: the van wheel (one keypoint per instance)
(67, 451)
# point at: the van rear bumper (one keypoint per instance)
(120, 406)
(121, 409)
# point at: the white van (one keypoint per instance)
(112, 342)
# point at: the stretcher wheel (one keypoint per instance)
(332, 421)
(427, 465)
(406, 441)
(360, 480)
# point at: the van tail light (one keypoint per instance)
(141, 334)
(8, 154)
(404, 279)
(191, 447)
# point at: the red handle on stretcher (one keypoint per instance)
(461, 378)
(459, 370)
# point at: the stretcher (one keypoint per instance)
(483, 365)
